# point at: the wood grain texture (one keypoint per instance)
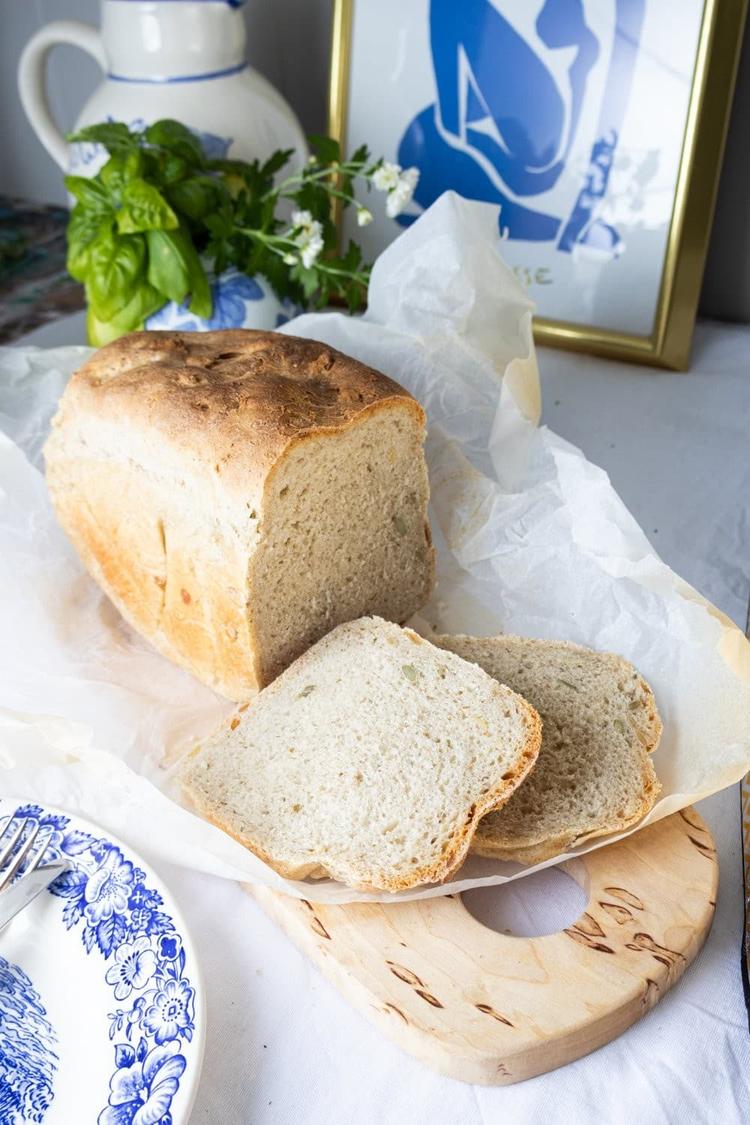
(495, 1009)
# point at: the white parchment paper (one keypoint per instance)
(531, 539)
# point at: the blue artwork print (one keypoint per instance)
(28, 1061)
(505, 122)
(121, 920)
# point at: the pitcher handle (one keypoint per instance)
(32, 78)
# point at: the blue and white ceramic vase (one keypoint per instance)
(183, 59)
(239, 302)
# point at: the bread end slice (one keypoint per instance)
(594, 774)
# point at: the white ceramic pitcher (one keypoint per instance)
(164, 58)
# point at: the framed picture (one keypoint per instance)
(597, 126)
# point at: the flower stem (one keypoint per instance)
(346, 168)
(355, 275)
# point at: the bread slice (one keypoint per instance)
(237, 494)
(599, 723)
(371, 759)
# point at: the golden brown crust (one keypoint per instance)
(249, 394)
(159, 465)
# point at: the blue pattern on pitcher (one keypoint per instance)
(83, 153)
(229, 294)
(239, 301)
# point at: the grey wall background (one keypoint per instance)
(288, 41)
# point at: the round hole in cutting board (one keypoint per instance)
(543, 903)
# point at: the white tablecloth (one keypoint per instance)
(284, 1048)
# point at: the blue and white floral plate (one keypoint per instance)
(102, 1011)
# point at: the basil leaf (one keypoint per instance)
(174, 169)
(89, 192)
(175, 269)
(153, 163)
(116, 265)
(84, 226)
(122, 168)
(197, 197)
(144, 301)
(201, 301)
(177, 138)
(168, 266)
(144, 208)
(114, 135)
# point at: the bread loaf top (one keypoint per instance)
(251, 395)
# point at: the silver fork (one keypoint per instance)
(22, 876)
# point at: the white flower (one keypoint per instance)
(399, 183)
(310, 246)
(301, 219)
(385, 178)
(400, 196)
(308, 234)
(290, 259)
(310, 254)
(364, 217)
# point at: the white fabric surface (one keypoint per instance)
(283, 1047)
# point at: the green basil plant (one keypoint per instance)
(143, 226)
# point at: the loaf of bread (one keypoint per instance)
(599, 724)
(238, 494)
(371, 759)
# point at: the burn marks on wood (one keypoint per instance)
(625, 896)
(315, 923)
(622, 910)
(411, 978)
(389, 1008)
(587, 931)
(487, 1010)
(699, 837)
(670, 958)
(404, 974)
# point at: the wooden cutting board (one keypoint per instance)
(486, 1007)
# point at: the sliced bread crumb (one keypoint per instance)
(372, 758)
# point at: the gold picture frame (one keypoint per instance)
(714, 75)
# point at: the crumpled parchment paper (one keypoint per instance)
(531, 539)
